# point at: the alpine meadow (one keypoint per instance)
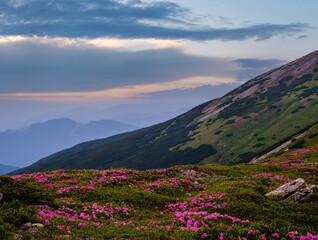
(158, 120)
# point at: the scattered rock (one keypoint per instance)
(26, 226)
(188, 173)
(286, 189)
(33, 230)
(38, 225)
(18, 237)
(192, 174)
(90, 238)
(301, 194)
(32, 227)
(293, 191)
(63, 237)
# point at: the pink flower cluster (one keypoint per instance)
(194, 214)
(82, 213)
(311, 149)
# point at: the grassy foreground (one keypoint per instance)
(217, 202)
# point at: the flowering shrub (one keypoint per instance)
(228, 203)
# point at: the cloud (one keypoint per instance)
(48, 66)
(131, 45)
(302, 36)
(114, 19)
(120, 94)
(251, 68)
(35, 67)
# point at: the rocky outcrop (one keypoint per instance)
(301, 194)
(287, 189)
(192, 174)
(283, 147)
(293, 191)
(32, 227)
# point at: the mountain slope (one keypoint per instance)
(307, 137)
(4, 169)
(25, 146)
(246, 121)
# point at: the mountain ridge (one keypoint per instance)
(4, 169)
(246, 121)
(41, 139)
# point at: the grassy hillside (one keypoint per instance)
(142, 149)
(251, 125)
(183, 202)
(245, 122)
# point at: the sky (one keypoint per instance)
(139, 61)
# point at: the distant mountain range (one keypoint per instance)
(23, 147)
(4, 169)
(246, 122)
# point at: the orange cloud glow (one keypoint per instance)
(113, 43)
(118, 94)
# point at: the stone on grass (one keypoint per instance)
(286, 189)
(293, 191)
(32, 227)
(301, 194)
(192, 174)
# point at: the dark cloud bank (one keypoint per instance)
(36, 67)
(110, 18)
(31, 66)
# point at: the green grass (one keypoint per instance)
(145, 204)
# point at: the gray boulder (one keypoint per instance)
(293, 191)
(301, 194)
(32, 227)
(1, 196)
(286, 189)
(189, 173)
(192, 174)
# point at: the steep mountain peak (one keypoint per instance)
(259, 85)
(296, 69)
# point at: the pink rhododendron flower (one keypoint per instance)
(292, 234)
(204, 235)
(251, 232)
(275, 235)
